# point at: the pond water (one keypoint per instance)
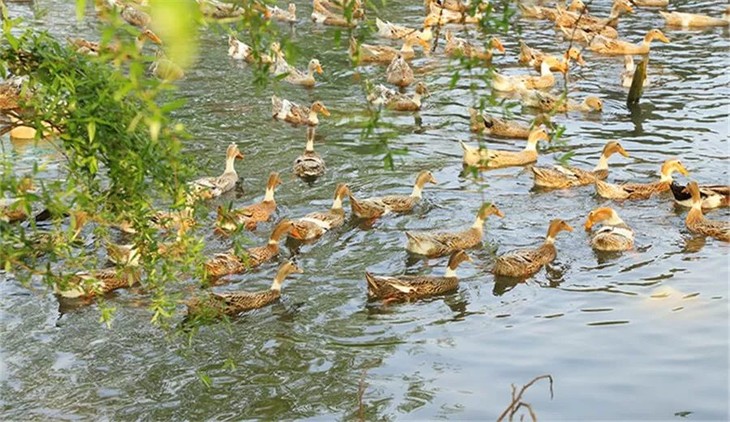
(638, 335)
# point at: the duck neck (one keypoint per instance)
(310, 145)
(666, 177)
(531, 145)
(278, 280)
(602, 163)
(313, 116)
(337, 203)
(418, 189)
(450, 272)
(269, 196)
(614, 220)
(550, 240)
(407, 48)
(695, 213)
(478, 224)
(229, 164)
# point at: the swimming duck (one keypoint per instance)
(133, 15)
(713, 196)
(627, 76)
(297, 77)
(534, 57)
(494, 126)
(370, 53)
(219, 10)
(693, 20)
(95, 48)
(289, 15)
(407, 287)
(458, 47)
(165, 69)
(354, 6)
(394, 31)
(213, 187)
(614, 235)
(395, 100)
(526, 262)
(230, 263)
(399, 72)
(641, 190)
(439, 243)
(492, 158)
(249, 216)
(444, 16)
(514, 83)
(539, 12)
(309, 165)
(86, 285)
(608, 46)
(550, 103)
(241, 51)
(295, 114)
(216, 305)
(567, 176)
(322, 13)
(593, 24)
(651, 3)
(314, 225)
(696, 221)
(378, 206)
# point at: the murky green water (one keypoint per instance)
(643, 335)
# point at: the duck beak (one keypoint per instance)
(623, 152)
(432, 180)
(239, 155)
(589, 224)
(568, 228)
(319, 69)
(499, 213)
(153, 37)
(580, 60)
(682, 170)
(500, 47)
(663, 38)
(325, 111)
(294, 232)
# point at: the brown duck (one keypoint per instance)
(641, 190)
(249, 216)
(697, 223)
(526, 262)
(378, 206)
(314, 225)
(567, 176)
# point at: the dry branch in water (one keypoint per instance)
(517, 402)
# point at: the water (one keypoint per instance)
(640, 335)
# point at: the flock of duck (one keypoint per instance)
(595, 33)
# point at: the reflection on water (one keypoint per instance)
(615, 330)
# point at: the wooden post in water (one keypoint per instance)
(637, 83)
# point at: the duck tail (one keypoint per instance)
(372, 282)
(679, 192)
(355, 205)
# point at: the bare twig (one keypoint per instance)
(360, 394)
(517, 399)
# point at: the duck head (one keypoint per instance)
(318, 107)
(314, 66)
(669, 167)
(593, 103)
(613, 147)
(489, 209)
(601, 214)
(232, 152)
(284, 227)
(285, 270)
(656, 34)
(556, 226)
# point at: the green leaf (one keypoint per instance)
(91, 128)
(80, 9)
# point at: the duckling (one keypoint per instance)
(485, 159)
(438, 243)
(550, 103)
(396, 101)
(627, 76)
(458, 47)
(309, 165)
(213, 187)
(696, 221)
(407, 287)
(241, 51)
(399, 73)
(250, 216)
(394, 31)
(370, 53)
(561, 177)
(614, 235)
(295, 114)
(297, 77)
(608, 46)
(535, 57)
(713, 196)
(230, 263)
(313, 225)
(526, 262)
(693, 20)
(379, 206)
(494, 126)
(289, 15)
(514, 83)
(641, 190)
(216, 305)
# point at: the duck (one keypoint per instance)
(393, 31)
(526, 262)
(250, 216)
(459, 47)
(534, 57)
(399, 73)
(217, 305)
(713, 196)
(539, 12)
(219, 10)
(309, 165)
(406, 287)
(289, 15)
(591, 23)
(562, 177)
(651, 3)
(614, 235)
(165, 69)
(213, 187)
(89, 284)
(494, 126)
(696, 221)
(550, 103)
(608, 46)
(444, 16)
(453, 5)
(297, 77)
(313, 225)
(484, 159)
(291, 112)
(440, 243)
(515, 83)
(378, 206)
(627, 76)
(642, 190)
(133, 15)
(93, 48)
(230, 262)
(322, 13)
(393, 100)
(371, 53)
(693, 20)
(239, 50)
(355, 7)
